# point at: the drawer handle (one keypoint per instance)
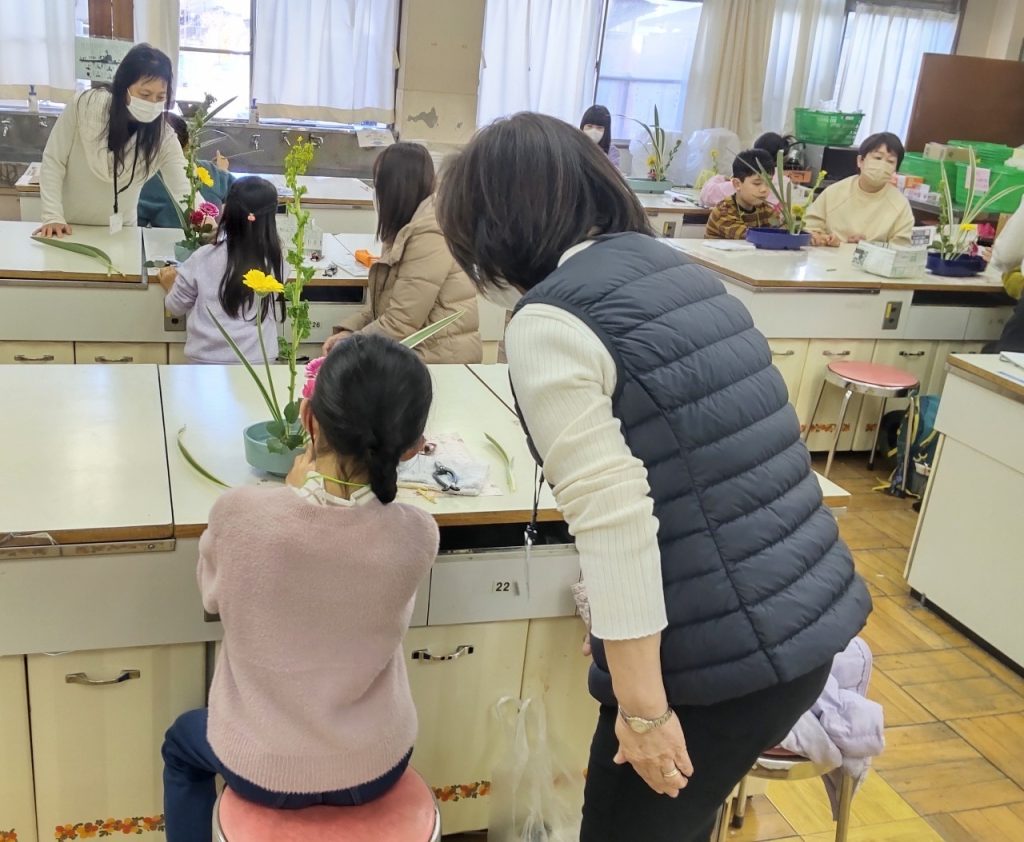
(789, 353)
(836, 353)
(460, 651)
(911, 353)
(45, 358)
(82, 678)
(109, 361)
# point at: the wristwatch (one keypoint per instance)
(640, 725)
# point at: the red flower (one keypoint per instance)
(196, 217)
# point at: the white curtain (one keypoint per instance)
(37, 48)
(539, 55)
(881, 61)
(726, 87)
(807, 39)
(157, 24)
(331, 60)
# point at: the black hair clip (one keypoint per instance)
(445, 478)
(331, 270)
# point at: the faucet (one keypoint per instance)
(316, 140)
(6, 123)
(42, 122)
(254, 142)
(285, 139)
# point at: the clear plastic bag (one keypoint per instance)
(724, 143)
(535, 796)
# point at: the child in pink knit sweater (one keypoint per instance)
(315, 583)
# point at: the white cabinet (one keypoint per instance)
(36, 352)
(457, 675)
(176, 353)
(17, 799)
(937, 374)
(120, 353)
(98, 722)
(913, 356)
(789, 356)
(821, 352)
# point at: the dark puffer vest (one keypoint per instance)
(759, 588)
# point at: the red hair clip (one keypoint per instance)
(251, 217)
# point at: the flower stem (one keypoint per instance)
(266, 362)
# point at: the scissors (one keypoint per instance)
(445, 478)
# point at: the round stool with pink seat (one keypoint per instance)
(876, 380)
(407, 813)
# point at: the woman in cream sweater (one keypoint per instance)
(107, 144)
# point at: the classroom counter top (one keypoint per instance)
(820, 268)
(660, 203)
(24, 259)
(992, 372)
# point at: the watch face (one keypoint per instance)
(640, 727)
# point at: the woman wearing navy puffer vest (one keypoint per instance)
(719, 587)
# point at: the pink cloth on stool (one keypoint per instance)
(874, 374)
(405, 814)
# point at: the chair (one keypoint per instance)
(780, 765)
(407, 813)
(874, 379)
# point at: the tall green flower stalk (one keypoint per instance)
(793, 215)
(660, 157)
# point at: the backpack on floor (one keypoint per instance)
(916, 430)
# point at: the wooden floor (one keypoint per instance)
(953, 768)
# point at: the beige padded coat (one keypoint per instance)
(417, 282)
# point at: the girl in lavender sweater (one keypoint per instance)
(315, 583)
(208, 286)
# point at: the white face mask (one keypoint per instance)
(595, 134)
(506, 297)
(143, 110)
(877, 173)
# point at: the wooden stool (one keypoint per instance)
(407, 813)
(876, 380)
(781, 765)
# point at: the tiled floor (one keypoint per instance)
(953, 768)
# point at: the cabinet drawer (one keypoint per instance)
(821, 352)
(176, 353)
(97, 746)
(987, 322)
(37, 352)
(120, 353)
(937, 374)
(789, 357)
(458, 728)
(480, 587)
(17, 800)
(914, 357)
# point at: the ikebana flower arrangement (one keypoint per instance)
(793, 213)
(198, 222)
(955, 251)
(660, 156)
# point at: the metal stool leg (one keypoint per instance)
(839, 429)
(911, 434)
(817, 406)
(845, 802)
(721, 831)
(878, 432)
(739, 811)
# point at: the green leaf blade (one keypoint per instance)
(83, 249)
(425, 333)
(191, 460)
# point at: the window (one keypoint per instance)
(215, 53)
(645, 61)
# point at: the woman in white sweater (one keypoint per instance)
(107, 144)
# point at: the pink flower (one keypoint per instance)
(209, 209)
(312, 369)
(196, 217)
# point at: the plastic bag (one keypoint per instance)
(535, 797)
(640, 149)
(724, 143)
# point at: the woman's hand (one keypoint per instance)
(853, 239)
(221, 162)
(334, 340)
(167, 276)
(303, 464)
(659, 756)
(822, 239)
(52, 229)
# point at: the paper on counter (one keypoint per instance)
(729, 245)
(1013, 357)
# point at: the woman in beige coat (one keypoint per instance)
(416, 282)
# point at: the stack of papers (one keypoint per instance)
(729, 245)
(1016, 359)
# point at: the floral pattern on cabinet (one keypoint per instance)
(106, 827)
(459, 792)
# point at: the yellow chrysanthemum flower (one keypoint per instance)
(262, 283)
(204, 176)
(964, 226)
(651, 160)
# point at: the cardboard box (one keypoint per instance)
(945, 152)
(890, 261)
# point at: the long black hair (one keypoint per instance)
(530, 179)
(403, 176)
(371, 401)
(141, 62)
(598, 115)
(248, 230)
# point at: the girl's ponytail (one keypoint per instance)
(383, 469)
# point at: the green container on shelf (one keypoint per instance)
(986, 154)
(828, 128)
(930, 169)
(999, 179)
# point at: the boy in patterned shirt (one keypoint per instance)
(748, 207)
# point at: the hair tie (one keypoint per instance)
(251, 217)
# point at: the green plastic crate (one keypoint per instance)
(930, 169)
(986, 154)
(1000, 178)
(828, 128)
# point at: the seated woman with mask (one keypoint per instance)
(597, 125)
(865, 206)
